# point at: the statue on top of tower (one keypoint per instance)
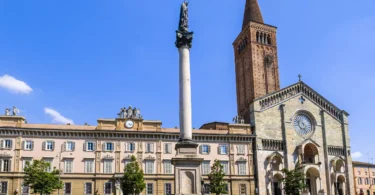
(183, 36)
(184, 18)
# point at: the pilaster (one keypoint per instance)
(158, 157)
(117, 157)
(325, 148)
(250, 158)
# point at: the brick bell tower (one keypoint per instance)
(255, 51)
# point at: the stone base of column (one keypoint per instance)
(187, 169)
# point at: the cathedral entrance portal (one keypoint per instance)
(277, 184)
(312, 180)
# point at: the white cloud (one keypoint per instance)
(57, 117)
(13, 85)
(357, 155)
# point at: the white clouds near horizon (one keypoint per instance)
(357, 155)
(57, 117)
(14, 85)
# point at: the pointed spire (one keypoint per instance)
(252, 13)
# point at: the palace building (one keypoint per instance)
(292, 127)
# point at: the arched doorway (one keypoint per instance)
(312, 180)
(340, 185)
(277, 184)
(310, 154)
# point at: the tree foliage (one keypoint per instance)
(216, 177)
(39, 179)
(294, 181)
(132, 182)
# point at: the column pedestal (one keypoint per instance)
(187, 169)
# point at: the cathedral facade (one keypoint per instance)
(296, 127)
(291, 128)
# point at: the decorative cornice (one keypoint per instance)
(242, 159)
(108, 157)
(149, 157)
(103, 134)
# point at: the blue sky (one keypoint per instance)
(85, 59)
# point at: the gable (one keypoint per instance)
(295, 90)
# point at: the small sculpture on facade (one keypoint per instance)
(129, 112)
(137, 113)
(184, 20)
(7, 111)
(15, 111)
(238, 120)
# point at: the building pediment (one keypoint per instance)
(305, 92)
(307, 141)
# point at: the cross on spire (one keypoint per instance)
(299, 77)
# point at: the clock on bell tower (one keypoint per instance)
(255, 51)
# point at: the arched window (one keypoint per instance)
(359, 181)
(373, 181)
(366, 181)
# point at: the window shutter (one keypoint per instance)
(2, 144)
(94, 145)
(1, 163)
(84, 148)
(10, 166)
(219, 149)
(133, 147)
(32, 145)
(113, 146)
(152, 147)
(103, 146)
(24, 145)
(64, 188)
(170, 148)
(209, 149)
(127, 147)
(44, 145)
(53, 145)
(200, 149)
(11, 143)
(227, 149)
(73, 146)
(64, 146)
(84, 188)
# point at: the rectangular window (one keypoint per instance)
(108, 146)
(4, 165)
(359, 172)
(225, 167)
(127, 162)
(241, 168)
(88, 188)
(49, 145)
(28, 145)
(205, 149)
(149, 147)
(167, 167)
(130, 147)
(69, 146)
(149, 167)
(68, 188)
(4, 187)
(241, 149)
(167, 148)
(89, 166)
(68, 168)
(242, 189)
(89, 146)
(107, 166)
(223, 149)
(108, 188)
(168, 189)
(366, 173)
(7, 144)
(50, 161)
(150, 189)
(206, 167)
(25, 190)
(24, 162)
(206, 189)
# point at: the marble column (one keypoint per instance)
(185, 94)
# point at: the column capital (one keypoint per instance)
(184, 39)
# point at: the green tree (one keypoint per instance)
(216, 177)
(132, 182)
(39, 179)
(294, 181)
